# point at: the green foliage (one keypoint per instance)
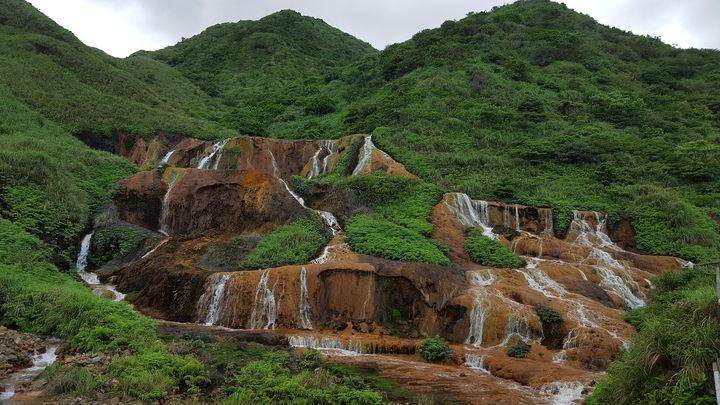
(490, 252)
(670, 359)
(549, 316)
(295, 243)
(518, 350)
(435, 349)
(112, 243)
(380, 237)
(71, 380)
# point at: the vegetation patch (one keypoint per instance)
(681, 328)
(382, 238)
(295, 243)
(490, 252)
(518, 350)
(111, 243)
(435, 349)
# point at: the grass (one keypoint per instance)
(295, 243)
(112, 243)
(670, 359)
(490, 252)
(382, 238)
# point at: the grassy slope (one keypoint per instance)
(268, 71)
(85, 90)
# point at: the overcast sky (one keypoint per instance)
(121, 27)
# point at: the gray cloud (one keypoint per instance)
(151, 24)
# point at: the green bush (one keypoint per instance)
(295, 243)
(549, 316)
(490, 252)
(435, 349)
(670, 359)
(112, 243)
(518, 350)
(380, 237)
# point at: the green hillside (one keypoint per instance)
(267, 72)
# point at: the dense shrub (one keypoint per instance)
(519, 350)
(112, 243)
(382, 238)
(435, 349)
(679, 327)
(490, 252)
(295, 243)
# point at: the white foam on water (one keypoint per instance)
(476, 362)
(264, 312)
(40, 362)
(304, 308)
(167, 157)
(204, 162)
(564, 392)
(212, 298)
(470, 212)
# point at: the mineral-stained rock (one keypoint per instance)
(205, 200)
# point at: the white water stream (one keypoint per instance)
(17, 380)
(92, 279)
(216, 150)
(213, 298)
(304, 308)
(264, 311)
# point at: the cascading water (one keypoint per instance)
(16, 380)
(477, 321)
(330, 145)
(304, 308)
(91, 279)
(212, 298)
(315, 168)
(564, 392)
(517, 219)
(264, 311)
(344, 347)
(470, 212)
(476, 362)
(546, 218)
(365, 155)
(204, 162)
(517, 325)
(166, 205)
(167, 157)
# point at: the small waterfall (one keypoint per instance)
(564, 392)
(217, 147)
(587, 235)
(470, 212)
(481, 278)
(166, 158)
(330, 221)
(264, 312)
(507, 222)
(345, 347)
(477, 322)
(315, 168)
(304, 309)
(368, 296)
(546, 218)
(212, 298)
(476, 362)
(330, 145)
(166, 205)
(539, 281)
(365, 155)
(517, 325)
(151, 251)
(91, 279)
(22, 377)
(517, 218)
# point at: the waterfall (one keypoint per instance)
(24, 377)
(546, 217)
(477, 322)
(470, 212)
(564, 392)
(151, 251)
(304, 309)
(517, 218)
(264, 312)
(587, 234)
(330, 145)
(506, 217)
(167, 157)
(517, 325)
(476, 362)
(217, 147)
(344, 347)
(481, 278)
(330, 221)
(81, 262)
(92, 279)
(213, 297)
(165, 206)
(315, 169)
(365, 155)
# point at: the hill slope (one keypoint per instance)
(267, 71)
